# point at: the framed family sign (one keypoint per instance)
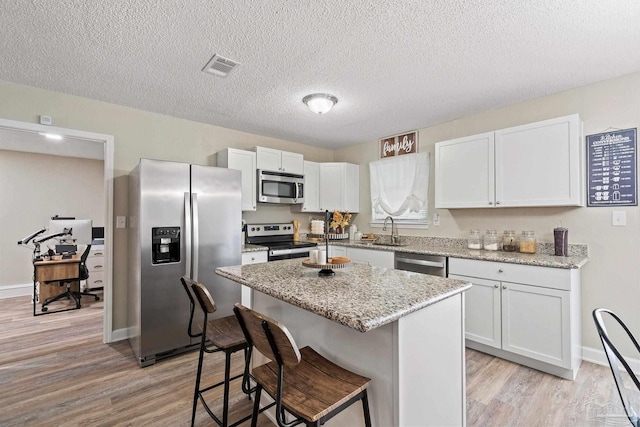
(406, 143)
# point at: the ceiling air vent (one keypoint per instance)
(219, 66)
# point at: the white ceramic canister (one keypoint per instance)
(352, 231)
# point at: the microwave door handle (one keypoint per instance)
(196, 226)
(187, 233)
(295, 198)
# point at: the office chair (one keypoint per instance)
(628, 394)
(83, 274)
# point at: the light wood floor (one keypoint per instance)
(55, 370)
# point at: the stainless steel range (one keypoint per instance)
(278, 238)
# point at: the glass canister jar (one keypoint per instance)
(510, 241)
(490, 241)
(528, 242)
(474, 241)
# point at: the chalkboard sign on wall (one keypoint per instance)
(612, 168)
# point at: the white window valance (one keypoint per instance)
(399, 187)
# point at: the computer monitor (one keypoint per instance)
(80, 229)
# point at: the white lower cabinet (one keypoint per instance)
(527, 314)
(251, 258)
(373, 257)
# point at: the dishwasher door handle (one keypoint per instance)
(420, 262)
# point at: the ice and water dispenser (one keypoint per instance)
(165, 245)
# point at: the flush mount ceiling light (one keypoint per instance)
(320, 103)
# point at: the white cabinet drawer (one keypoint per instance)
(254, 257)
(95, 280)
(554, 278)
(96, 254)
(95, 264)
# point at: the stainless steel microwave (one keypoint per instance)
(280, 187)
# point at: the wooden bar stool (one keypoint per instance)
(302, 382)
(223, 334)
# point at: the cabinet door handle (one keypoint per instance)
(497, 203)
(495, 286)
(500, 270)
(98, 281)
(504, 286)
(97, 254)
(490, 203)
(98, 266)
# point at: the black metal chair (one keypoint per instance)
(302, 382)
(221, 334)
(83, 274)
(630, 396)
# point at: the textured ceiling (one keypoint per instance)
(394, 65)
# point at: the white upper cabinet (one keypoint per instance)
(339, 187)
(465, 172)
(537, 164)
(311, 188)
(245, 162)
(279, 161)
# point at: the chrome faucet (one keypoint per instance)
(394, 231)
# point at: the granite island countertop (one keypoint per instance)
(359, 296)
(253, 248)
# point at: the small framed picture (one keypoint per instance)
(398, 145)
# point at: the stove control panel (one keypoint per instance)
(278, 229)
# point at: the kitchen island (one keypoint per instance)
(403, 330)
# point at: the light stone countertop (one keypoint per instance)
(254, 248)
(453, 248)
(359, 296)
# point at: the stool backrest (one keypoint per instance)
(618, 364)
(203, 296)
(270, 337)
(186, 284)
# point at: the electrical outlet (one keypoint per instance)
(435, 219)
(619, 218)
(121, 222)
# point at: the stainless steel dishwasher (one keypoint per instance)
(419, 263)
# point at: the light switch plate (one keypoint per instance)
(435, 219)
(121, 222)
(619, 218)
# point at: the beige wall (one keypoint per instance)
(142, 134)
(35, 187)
(612, 276)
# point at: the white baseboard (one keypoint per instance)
(12, 291)
(120, 334)
(598, 357)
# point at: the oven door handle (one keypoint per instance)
(278, 252)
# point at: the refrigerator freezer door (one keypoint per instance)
(217, 192)
(164, 307)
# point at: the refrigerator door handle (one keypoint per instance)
(187, 233)
(194, 207)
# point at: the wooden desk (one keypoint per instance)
(54, 270)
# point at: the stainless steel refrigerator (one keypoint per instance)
(184, 220)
